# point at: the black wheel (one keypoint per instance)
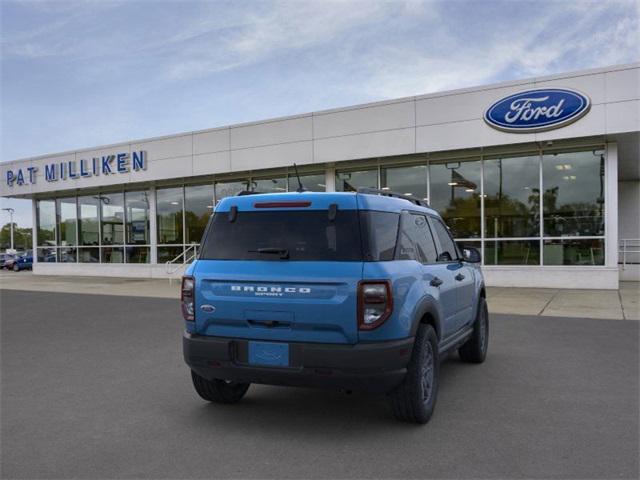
(16, 268)
(475, 349)
(415, 398)
(219, 391)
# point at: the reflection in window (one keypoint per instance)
(512, 197)
(169, 206)
(270, 185)
(46, 217)
(137, 254)
(197, 210)
(311, 183)
(47, 254)
(112, 218)
(67, 213)
(112, 255)
(67, 254)
(455, 194)
(351, 181)
(512, 252)
(137, 218)
(230, 189)
(167, 254)
(573, 198)
(89, 255)
(574, 252)
(88, 220)
(410, 181)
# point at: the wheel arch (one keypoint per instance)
(428, 314)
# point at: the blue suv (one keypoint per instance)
(353, 291)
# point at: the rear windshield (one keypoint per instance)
(308, 235)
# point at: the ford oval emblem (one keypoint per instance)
(537, 110)
(207, 308)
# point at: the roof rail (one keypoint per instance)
(389, 193)
(242, 193)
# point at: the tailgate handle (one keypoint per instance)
(269, 323)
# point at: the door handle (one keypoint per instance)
(435, 282)
(459, 277)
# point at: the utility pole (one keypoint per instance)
(11, 212)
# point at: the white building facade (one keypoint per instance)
(542, 175)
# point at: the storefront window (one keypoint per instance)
(197, 210)
(112, 255)
(89, 255)
(137, 254)
(455, 194)
(410, 181)
(88, 227)
(512, 197)
(512, 252)
(311, 183)
(169, 206)
(573, 198)
(270, 185)
(67, 254)
(67, 221)
(112, 218)
(137, 218)
(167, 254)
(230, 189)
(351, 181)
(46, 216)
(574, 252)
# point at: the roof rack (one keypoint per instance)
(389, 193)
(248, 192)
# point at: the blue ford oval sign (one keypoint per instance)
(537, 110)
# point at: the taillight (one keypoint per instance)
(375, 303)
(186, 298)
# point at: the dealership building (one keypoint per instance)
(541, 174)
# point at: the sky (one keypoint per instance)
(87, 73)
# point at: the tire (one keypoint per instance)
(219, 391)
(415, 398)
(475, 349)
(16, 268)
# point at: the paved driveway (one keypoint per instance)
(94, 387)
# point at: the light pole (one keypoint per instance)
(11, 212)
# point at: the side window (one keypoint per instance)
(448, 251)
(379, 232)
(415, 241)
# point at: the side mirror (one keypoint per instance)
(471, 255)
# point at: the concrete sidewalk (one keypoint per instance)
(623, 304)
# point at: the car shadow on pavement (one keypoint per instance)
(292, 410)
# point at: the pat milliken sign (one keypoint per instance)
(537, 110)
(117, 163)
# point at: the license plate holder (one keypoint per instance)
(269, 354)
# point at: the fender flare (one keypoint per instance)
(427, 306)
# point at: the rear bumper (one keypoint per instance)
(372, 367)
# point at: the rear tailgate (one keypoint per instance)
(294, 301)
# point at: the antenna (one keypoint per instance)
(300, 187)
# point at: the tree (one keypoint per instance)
(21, 237)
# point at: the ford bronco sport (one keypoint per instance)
(354, 291)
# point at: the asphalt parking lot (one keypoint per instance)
(95, 387)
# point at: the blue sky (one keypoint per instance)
(80, 74)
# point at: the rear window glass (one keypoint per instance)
(277, 235)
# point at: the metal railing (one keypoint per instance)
(629, 247)
(188, 255)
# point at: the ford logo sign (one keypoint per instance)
(537, 110)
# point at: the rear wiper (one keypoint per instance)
(283, 252)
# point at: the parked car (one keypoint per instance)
(7, 263)
(23, 262)
(354, 291)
